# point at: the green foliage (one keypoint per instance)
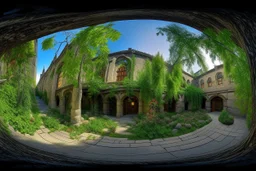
(19, 55)
(226, 118)
(48, 43)
(150, 130)
(145, 82)
(194, 96)
(52, 124)
(162, 124)
(20, 118)
(184, 46)
(44, 96)
(112, 90)
(174, 81)
(17, 97)
(186, 49)
(236, 66)
(88, 43)
(129, 86)
(94, 126)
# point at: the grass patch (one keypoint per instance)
(226, 118)
(162, 125)
(96, 126)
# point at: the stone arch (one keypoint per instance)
(217, 104)
(235, 20)
(170, 105)
(130, 105)
(112, 105)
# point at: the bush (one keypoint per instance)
(51, 123)
(226, 118)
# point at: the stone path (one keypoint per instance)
(210, 139)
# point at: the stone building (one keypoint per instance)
(33, 66)
(219, 90)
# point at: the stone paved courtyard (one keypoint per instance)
(209, 139)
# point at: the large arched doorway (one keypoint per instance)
(216, 104)
(68, 98)
(130, 105)
(86, 102)
(170, 106)
(112, 106)
(203, 106)
(100, 104)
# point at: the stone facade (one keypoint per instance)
(59, 92)
(33, 66)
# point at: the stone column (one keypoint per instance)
(52, 99)
(208, 105)
(180, 106)
(111, 71)
(119, 107)
(105, 107)
(62, 104)
(225, 105)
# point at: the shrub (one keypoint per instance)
(226, 118)
(51, 123)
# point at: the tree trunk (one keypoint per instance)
(77, 97)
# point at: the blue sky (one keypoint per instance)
(136, 34)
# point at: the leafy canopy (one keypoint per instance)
(88, 43)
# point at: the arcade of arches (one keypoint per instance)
(219, 90)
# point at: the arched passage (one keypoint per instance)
(130, 105)
(203, 106)
(86, 102)
(68, 98)
(100, 104)
(112, 106)
(170, 106)
(57, 101)
(216, 104)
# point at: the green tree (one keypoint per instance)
(151, 80)
(87, 43)
(220, 46)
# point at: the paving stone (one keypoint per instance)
(220, 138)
(127, 142)
(141, 145)
(170, 141)
(112, 145)
(62, 138)
(142, 141)
(39, 131)
(196, 144)
(49, 138)
(215, 135)
(234, 134)
(171, 149)
(45, 130)
(112, 138)
(92, 141)
(107, 141)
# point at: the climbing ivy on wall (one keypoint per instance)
(194, 96)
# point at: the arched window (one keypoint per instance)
(202, 83)
(121, 63)
(121, 73)
(188, 81)
(60, 79)
(209, 82)
(219, 78)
